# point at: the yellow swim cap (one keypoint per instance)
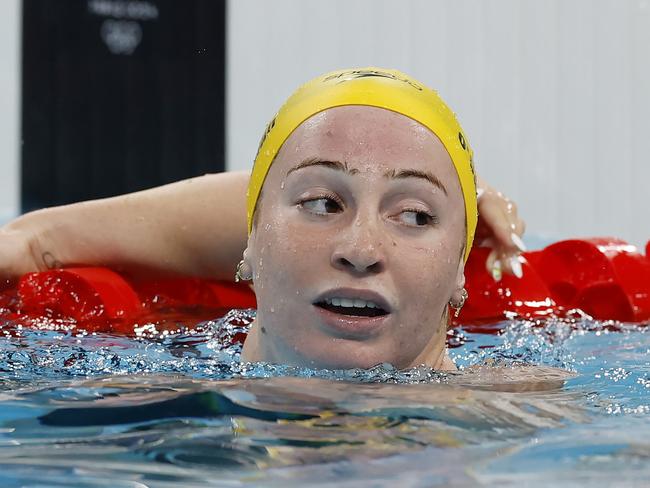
(374, 87)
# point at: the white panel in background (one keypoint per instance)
(537, 160)
(553, 94)
(9, 107)
(275, 46)
(638, 178)
(576, 123)
(497, 123)
(613, 130)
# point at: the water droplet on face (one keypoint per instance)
(282, 186)
(267, 227)
(272, 310)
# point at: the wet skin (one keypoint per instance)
(360, 203)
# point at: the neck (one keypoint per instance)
(434, 355)
(251, 352)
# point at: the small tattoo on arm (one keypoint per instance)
(50, 261)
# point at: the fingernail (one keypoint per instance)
(515, 265)
(496, 270)
(516, 240)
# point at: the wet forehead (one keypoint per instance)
(368, 136)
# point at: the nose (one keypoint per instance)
(359, 249)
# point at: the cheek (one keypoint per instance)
(428, 273)
(286, 253)
(426, 282)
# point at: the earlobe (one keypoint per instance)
(460, 295)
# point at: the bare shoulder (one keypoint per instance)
(517, 378)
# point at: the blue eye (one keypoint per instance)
(322, 206)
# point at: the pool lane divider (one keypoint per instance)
(606, 278)
(102, 300)
(79, 293)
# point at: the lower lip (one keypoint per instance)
(351, 325)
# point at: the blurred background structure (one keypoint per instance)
(10, 27)
(554, 94)
(118, 96)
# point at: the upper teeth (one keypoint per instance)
(351, 302)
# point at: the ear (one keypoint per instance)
(460, 273)
(459, 288)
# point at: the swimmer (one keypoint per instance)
(361, 212)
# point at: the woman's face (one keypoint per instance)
(357, 246)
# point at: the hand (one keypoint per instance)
(500, 228)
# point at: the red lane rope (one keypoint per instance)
(604, 277)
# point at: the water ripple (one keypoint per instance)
(561, 400)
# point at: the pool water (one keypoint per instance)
(561, 402)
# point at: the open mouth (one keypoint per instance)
(353, 307)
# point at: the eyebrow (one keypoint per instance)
(416, 173)
(335, 165)
(392, 174)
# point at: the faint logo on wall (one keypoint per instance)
(121, 31)
(121, 36)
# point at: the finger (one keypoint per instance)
(518, 242)
(501, 260)
(519, 226)
(506, 228)
(515, 224)
(493, 264)
(511, 264)
(499, 223)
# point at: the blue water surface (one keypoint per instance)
(561, 402)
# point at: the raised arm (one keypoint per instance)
(195, 227)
